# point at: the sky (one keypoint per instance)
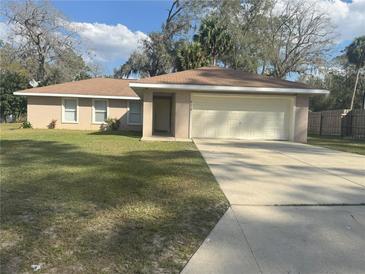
(110, 30)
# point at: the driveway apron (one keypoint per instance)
(295, 208)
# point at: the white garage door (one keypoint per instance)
(241, 116)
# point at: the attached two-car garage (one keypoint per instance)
(215, 102)
(263, 117)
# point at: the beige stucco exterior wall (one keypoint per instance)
(42, 110)
(173, 110)
(182, 115)
(301, 118)
(147, 113)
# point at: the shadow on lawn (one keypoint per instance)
(133, 134)
(75, 211)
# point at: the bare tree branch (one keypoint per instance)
(38, 31)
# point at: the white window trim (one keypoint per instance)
(63, 120)
(141, 113)
(93, 111)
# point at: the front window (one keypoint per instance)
(135, 113)
(100, 111)
(70, 110)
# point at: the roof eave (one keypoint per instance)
(70, 95)
(210, 88)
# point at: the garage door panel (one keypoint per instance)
(235, 103)
(239, 117)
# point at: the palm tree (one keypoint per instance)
(214, 37)
(356, 56)
(191, 56)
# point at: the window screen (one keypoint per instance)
(135, 112)
(100, 111)
(70, 110)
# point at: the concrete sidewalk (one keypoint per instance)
(295, 209)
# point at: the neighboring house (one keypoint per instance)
(208, 102)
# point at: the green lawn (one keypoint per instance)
(348, 145)
(84, 202)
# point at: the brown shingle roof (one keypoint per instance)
(94, 86)
(216, 76)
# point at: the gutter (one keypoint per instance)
(74, 95)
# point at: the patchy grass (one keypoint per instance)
(84, 202)
(347, 145)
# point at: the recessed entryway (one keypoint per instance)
(162, 109)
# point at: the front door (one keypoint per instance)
(162, 114)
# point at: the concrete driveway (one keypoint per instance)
(294, 209)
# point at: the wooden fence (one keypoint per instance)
(342, 123)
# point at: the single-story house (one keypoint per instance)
(208, 102)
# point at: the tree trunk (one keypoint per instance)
(41, 73)
(214, 60)
(354, 93)
(263, 68)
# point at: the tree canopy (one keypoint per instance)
(355, 52)
(191, 55)
(39, 48)
(214, 37)
(10, 104)
(344, 78)
(269, 37)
